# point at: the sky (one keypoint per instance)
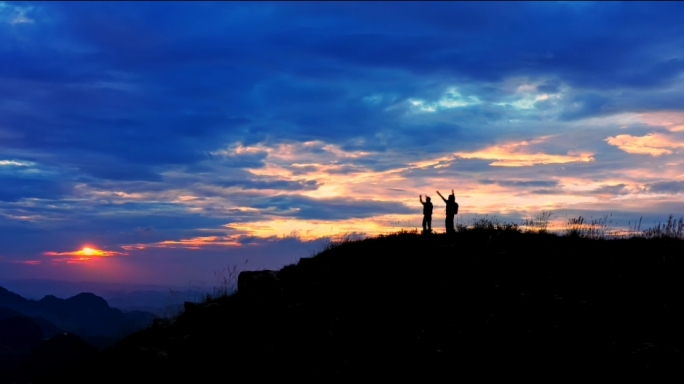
(163, 142)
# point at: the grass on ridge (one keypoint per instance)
(579, 227)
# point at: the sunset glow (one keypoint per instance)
(84, 254)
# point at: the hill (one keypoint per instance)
(86, 315)
(29, 335)
(493, 302)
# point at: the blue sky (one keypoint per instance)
(177, 138)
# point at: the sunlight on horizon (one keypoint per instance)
(84, 254)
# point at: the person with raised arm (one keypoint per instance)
(427, 214)
(451, 211)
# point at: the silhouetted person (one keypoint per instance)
(427, 214)
(451, 211)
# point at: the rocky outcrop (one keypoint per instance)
(259, 284)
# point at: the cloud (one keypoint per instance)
(241, 157)
(310, 230)
(549, 86)
(586, 105)
(302, 207)
(672, 121)
(668, 187)
(87, 252)
(517, 155)
(546, 192)
(283, 185)
(29, 262)
(521, 183)
(82, 255)
(192, 243)
(619, 189)
(7, 163)
(450, 99)
(17, 188)
(323, 117)
(653, 144)
(15, 14)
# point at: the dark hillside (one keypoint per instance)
(492, 302)
(46, 327)
(86, 315)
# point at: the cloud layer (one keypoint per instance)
(191, 135)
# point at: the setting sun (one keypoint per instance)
(84, 254)
(90, 252)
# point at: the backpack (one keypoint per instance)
(452, 209)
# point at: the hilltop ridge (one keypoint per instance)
(494, 302)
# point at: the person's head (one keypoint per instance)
(427, 198)
(452, 198)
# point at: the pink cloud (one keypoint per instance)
(29, 262)
(518, 155)
(653, 144)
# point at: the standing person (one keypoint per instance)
(451, 211)
(427, 214)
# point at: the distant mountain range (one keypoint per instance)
(85, 314)
(161, 300)
(30, 326)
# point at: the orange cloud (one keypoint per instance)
(308, 230)
(439, 162)
(86, 253)
(516, 155)
(193, 243)
(400, 182)
(302, 229)
(136, 247)
(654, 144)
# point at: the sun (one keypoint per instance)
(87, 251)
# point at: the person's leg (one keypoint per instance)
(429, 223)
(424, 222)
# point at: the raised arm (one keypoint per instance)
(452, 192)
(421, 199)
(440, 195)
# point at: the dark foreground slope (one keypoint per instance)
(494, 303)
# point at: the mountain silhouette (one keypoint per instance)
(46, 326)
(61, 356)
(35, 336)
(20, 333)
(495, 303)
(13, 301)
(85, 314)
(26, 325)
